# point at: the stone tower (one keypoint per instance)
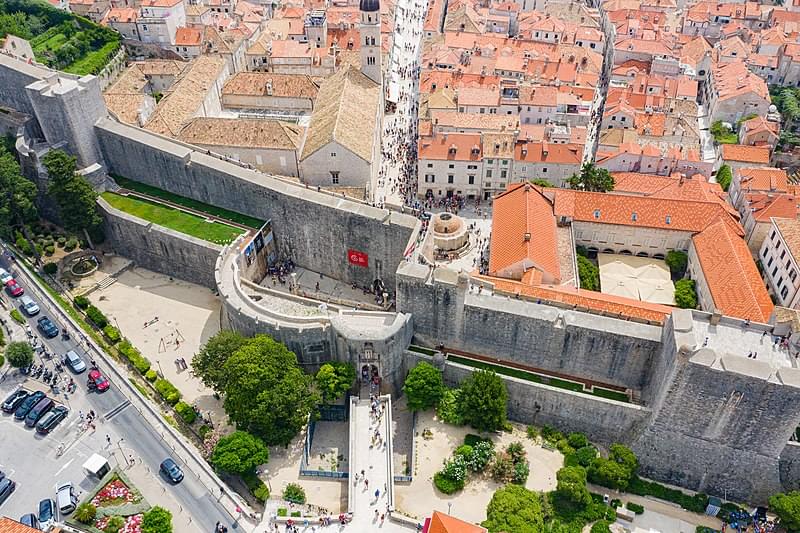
(370, 32)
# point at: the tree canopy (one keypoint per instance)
(17, 194)
(514, 509)
(210, 360)
(334, 379)
(677, 260)
(592, 178)
(74, 195)
(588, 274)
(787, 507)
(423, 387)
(724, 177)
(239, 453)
(571, 485)
(19, 354)
(157, 520)
(266, 392)
(686, 294)
(484, 401)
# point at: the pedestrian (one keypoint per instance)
(131, 460)
(377, 494)
(366, 483)
(108, 439)
(81, 415)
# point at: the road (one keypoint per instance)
(147, 442)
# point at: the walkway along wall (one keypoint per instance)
(161, 249)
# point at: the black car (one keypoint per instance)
(171, 469)
(38, 411)
(6, 488)
(51, 420)
(47, 327)
(13, 401)
(27, 405)
(29, 520)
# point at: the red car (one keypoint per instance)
(14, 288)
(97, 381)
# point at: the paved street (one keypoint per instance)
(119, 416)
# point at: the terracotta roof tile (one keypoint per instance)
(746, 154)
(452, 147)
(762, 179)
(444, 523)
(283, 85)
(12, 526)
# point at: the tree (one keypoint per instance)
(483, 401)
(685, 294)
(588, 274)
(677, 260)
(571, 485)
(423, 387)
(334, 379)
(19, 354)
(17, 198)
(157, 520)
(609, 473)
(76, 200)
(623, 455)
(266, 392)
(592, 178)
(787, 507)
(514, 509)
(239, 453)
(724, 177)
(210, 360)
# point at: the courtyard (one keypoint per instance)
(638, 278)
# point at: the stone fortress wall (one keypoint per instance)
(706, 420)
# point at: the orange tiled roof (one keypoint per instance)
(444, 523)
(453, 147)
(790, 231)
(762, 179)
(730, 273)
(12, 526)
(524, 231)
(188, 37)
(541, 152)
(764, 206)
(747, 154)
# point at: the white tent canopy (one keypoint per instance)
(639, 278)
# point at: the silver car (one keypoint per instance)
(74, 361)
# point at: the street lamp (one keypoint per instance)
(449, 505)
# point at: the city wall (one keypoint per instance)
(316, 229)
(160, 249)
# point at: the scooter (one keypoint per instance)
(65, 335)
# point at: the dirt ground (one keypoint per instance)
(329, 449)
(188, 315)
(418, 498)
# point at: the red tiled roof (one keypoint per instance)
(764, 206)
(540, 152)
(762, 179)
(748, 154)
(453, 146)
(444, 523)
(188, 37)
(12, 526)
(730, 273)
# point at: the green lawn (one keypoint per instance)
(188, 202)
(536, 378)
(173, 218)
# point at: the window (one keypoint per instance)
(333, 154)
(544, 170)
(769, 264)
(489, 173)
(668, 219)
(634, 216)
(451, 165)
(430, 178)
(472, 167)
(482, 111)
(774, 271)
(430, 165)
(471, 180)
(792, 275)
(504, 162)
(503, 174)
(788, 264)
(596, 213)
(449, 178)
(773, 235)
(335, 177)
(490, 161)
(784, 292)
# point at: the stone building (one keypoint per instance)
(265, 91)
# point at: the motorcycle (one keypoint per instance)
(65, 335)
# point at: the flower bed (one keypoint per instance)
(114, 493)
(133, 524)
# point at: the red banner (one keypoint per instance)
(357, 258)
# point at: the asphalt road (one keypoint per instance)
(137, 433)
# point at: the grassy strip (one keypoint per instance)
(94, 62)
(420, 349)
(174, 218)
(188, 202)
(536, 378)
(17, 316)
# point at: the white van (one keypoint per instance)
(29, 306)
(66, 498)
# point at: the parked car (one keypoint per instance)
(29, 520)
(29, 306)
(171, 469)
(51, 420)
(66, 498)
(25, 407)
(6, 488)
(5, 276)
(74, 361)
(47, 514)
(14, 289)
(97, 381)
(47, 327)
(38, 411)
(14, 399)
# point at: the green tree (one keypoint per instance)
(76, 200)
(484, 401)
(686, 294)
(589, 274)
(266, 392)
(724, 177)
(609, 473)
(592, 178)
(19, 354)
(210, 360)
(787, 507)
(239, 453)
(571, 485)
(423, 387)
(334, 379)
(677, 260)
(623, 455)
(157, 520)
(17, 198)
(514, 509)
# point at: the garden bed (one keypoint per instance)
(117, 503)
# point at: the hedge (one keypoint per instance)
(81, 302)
(139, 362)
(168, 391)
(17, 316)
(186, 412)
(96, 316)
(635, 507)
(112, 334)
(50, 268)
(696, 503)
(151, 376)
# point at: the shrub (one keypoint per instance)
(50, 268)
(677, 260)
(82, 302)
(724, 177)
(204, 430)
(114, 524)
(640, 487)
(502, 468)
(455, 469)
(139, 362)
(533, 432)
(471, 439)
(96, 316)
(521, 471)
(168, 391)
(635, 507)
(186, 412)
(685, 294)
(23, 245)
(112, 334)
(19, 354)
(261, 493)
(61, 241)
(157, 520)
(17, 316)
(465, 451)
(608, 473)
(445, 485)
(2, 360)
(551, 434)
(49, 250)
(282, 511)
(294, 493)
(71, 244)
(589, 274)
(449, 408)
(482, 454)
(577, 440)
(601, 526)
(85, 513)
(517, 451)
(585, 456)
(296, 514)
(151, 376)
(256, 487)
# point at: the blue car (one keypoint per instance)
(47, 327)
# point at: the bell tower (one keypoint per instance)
(370, 32)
